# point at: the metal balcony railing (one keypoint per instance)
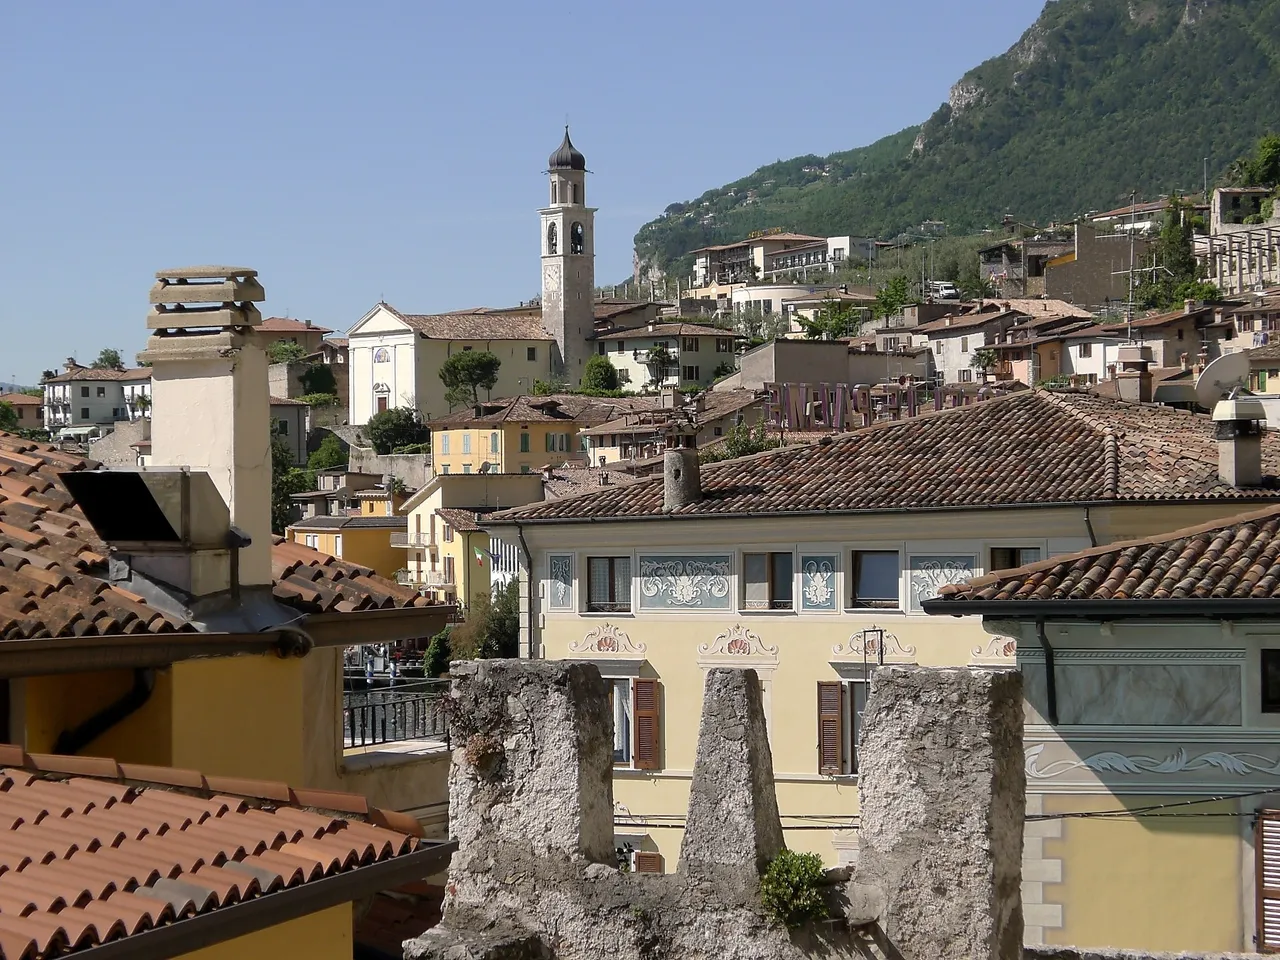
(411, 540)
(412, 712)
(424, 578)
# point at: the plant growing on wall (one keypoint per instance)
(792, 889)
(318, 378)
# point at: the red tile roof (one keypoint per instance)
(50, 558)
(289, 325)
(476, 325)
(1233, 559)
(21, 400)
(1030, 447)
(78, 374)
(92, 851)
(674, 329)
(568, 408)
(463, 519)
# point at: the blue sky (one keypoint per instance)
(395, 150)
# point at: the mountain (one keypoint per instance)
(1098, 98)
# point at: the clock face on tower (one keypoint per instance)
(551, 278)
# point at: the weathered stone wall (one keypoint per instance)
(1075, 953)
(535, 874)
(943, 794)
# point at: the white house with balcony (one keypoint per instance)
(668, 354)
(83, 397)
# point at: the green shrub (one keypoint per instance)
(435, 662)
(319, 399)
(792, 889)
(413, 448)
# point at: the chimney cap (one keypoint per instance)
(205, 273)
(1239, 408)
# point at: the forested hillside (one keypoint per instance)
(1098, 98)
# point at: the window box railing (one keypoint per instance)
(424, 578)
(417, 711)
(411, 540)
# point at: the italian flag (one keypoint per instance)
(479, 556)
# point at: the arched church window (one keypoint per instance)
(577, 242)
(553, 241)
(382, 355)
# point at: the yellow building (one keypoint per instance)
(449, 557)
(522, 434)
(153, 619)
(364, 540)
(811, 564)
(1153, 806)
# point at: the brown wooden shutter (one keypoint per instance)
(648, 862)
(830, 729)
(644, 755)
(1267, 854)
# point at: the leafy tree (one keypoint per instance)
(108, 359)
(492, 626)
(8, 416)
(756, 325)
(318, 378)
(599, 375)
(435, 662)
(397, 427)
(741, 440)
(723, 369)
(545, 388)
(319, 399)
(659, 361)
(328, 455)
(893, 296)
(286, 480)
(466, 373)
(983, 359)
(285, 351)
(832, 321)
(1170, 264)
(34, 391)
(971, 284)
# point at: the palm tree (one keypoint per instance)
(659, 359)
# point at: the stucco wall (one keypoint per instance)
(326, 935)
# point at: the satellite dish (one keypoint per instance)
(1229, 372)
(484, 467)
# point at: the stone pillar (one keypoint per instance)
(943, 793)
(733, 818)
(532, 761)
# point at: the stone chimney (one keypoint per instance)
(1238, 425)
(1190, 306)
(681, 477)
(210, 399)
(1133, 379)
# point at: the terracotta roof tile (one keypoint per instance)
(1233, 559)
(96, 859)
(50, 559)
(567, 407)
(1031, 447)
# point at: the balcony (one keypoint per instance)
(419, 540)
(424, 578)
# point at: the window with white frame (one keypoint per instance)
(841, 704)
(620, 697)
(466, 443)
(768, 581)
(875, 579)
(337, 546)
(312, 540)
(609, 584)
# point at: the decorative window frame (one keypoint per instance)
(740, 579)
(581, 568)
(730, 582)
(846, 580)
(740, 646)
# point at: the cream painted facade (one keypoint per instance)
(694, 358)
(393, 365)
(1150, 712)
(512, 447)
(442, 561)
(684, 614)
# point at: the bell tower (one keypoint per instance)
(568, 260)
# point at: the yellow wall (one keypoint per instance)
(326, 935)
(1151, 883)
(806, 643)
(509, 458)
(240, 716)
(515, 376)
(471, 579)
(59, 703)
(367, 546)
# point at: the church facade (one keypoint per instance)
(396, 356)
